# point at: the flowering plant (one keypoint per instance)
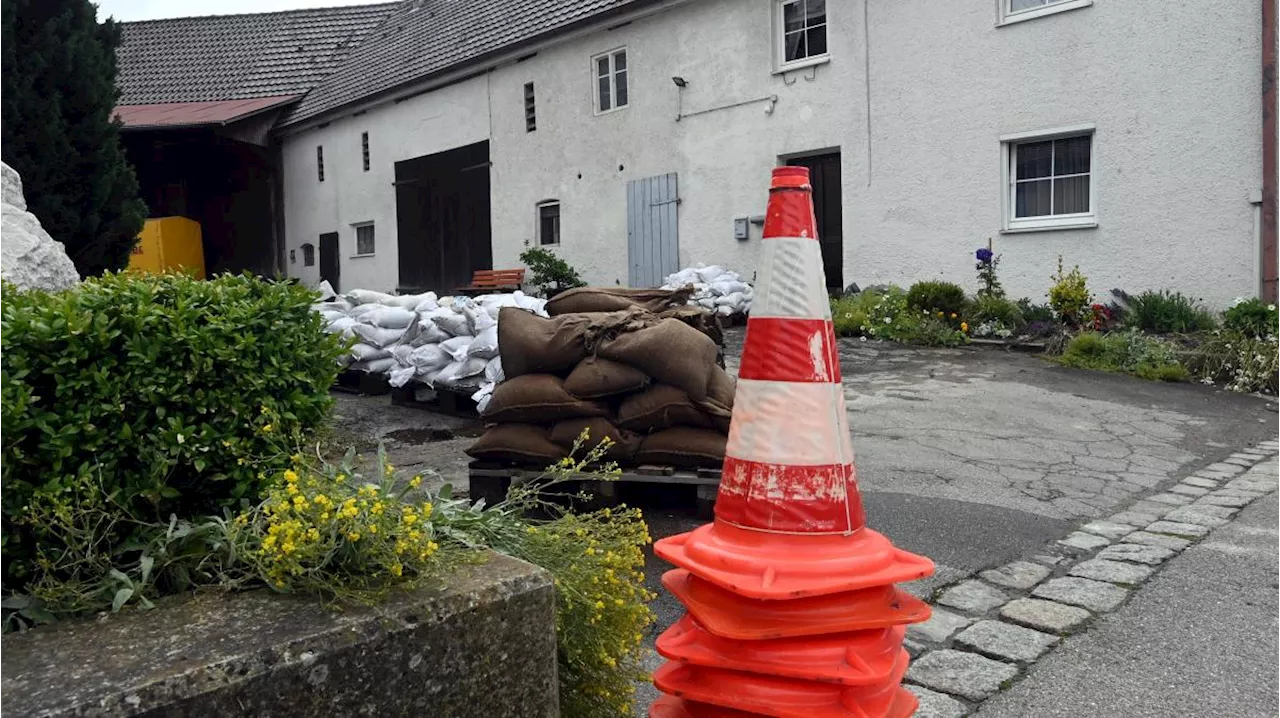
(986, 266)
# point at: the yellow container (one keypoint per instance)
(169, 243)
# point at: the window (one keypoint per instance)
(801, 27)
(1012, 11)
(1050, 180)
(611, 80)
(530, 117)
(308, 255)
(364, 239)
(320, 162)
(548, 223)
(364, 149)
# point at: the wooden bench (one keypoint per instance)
(485, 281)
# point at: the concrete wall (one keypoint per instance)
(1171, 90)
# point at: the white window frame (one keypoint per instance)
(537, 222)
(1079, 220)
(355, 240)
(1008, 16)
(613, 80)
(780, 64)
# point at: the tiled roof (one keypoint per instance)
(237, 57)
(420, 38)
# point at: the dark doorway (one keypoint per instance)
(824, 174)
(329, 265)
(442, 219)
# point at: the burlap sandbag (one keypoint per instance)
(671, 352)
(699, 319)
(720, 390)
(531, 344)
(609, 299)
(519, 443)
(537, 398)
(595, 378)
(625, 443)
(683, 447)
(661, 407)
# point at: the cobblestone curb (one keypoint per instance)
(997, 624)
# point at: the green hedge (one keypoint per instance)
(178, 396)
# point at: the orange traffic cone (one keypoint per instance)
(792, 607)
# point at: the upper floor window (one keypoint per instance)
(611, 80)
(1050, 181)
(1018, 10)
(364, 239)
(801, 30)
(548, 223)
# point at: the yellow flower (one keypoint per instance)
(415, 482)
(953, 315)
(939, 315)
(296, 458)
(313, 534)
(964, 326)
(268, 542)
(599, 604)
(390, 469)
(266, 428)
(353, 535)
(290, 476)
(397, 569)
(377, 508)
(322, 500)
(264, 409)
(324, 516)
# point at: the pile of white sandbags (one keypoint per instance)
(449, 342)
(715, 289)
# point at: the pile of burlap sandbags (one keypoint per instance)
(621, 364)
(715, 289)
(447, 342)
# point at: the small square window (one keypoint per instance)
(364, 149)
(610, 80)
(1012, 11)
(548, 223)
(364, 239)
(1050, 181)
(320, 162)
(308, 255)
(801, 30)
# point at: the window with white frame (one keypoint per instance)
(801, 29)
(610, 71)
(1050, 180)
(548, 223)
(364, 239)
(1018, 10)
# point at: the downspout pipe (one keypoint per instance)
(1269, 165)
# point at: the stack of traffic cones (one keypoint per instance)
(791, 605)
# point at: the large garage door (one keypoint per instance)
(442, 219)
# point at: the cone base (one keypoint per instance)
(904, 705)
(727, 615)
(853, 659)
(774, 566)
(780, 697)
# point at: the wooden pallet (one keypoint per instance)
(439, 400)
(361, 382)
(491, 481)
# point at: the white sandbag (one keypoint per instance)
(493, 371)
(724, 287)
(485, 345)
(483, 404)
(427, 302)
(455, 323)
(377, 336)
(457, 347)
(733, 300)
(537, 305)
(710, 274)
(368, 296)
(457, 372)
(326, 290)
(389, 317)
(478, 319)
(427, 376)
(485, 390)
(360, 310)
(376, 366)
(401, 376)
(707, 302)
(493, 303)
(365, 352)
(429, 357)
(425, 332)
(330, 317)
(725, 311)
(401, 352)
(340, 324)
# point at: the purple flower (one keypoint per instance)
(984, 255)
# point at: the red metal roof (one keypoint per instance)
(195, 114)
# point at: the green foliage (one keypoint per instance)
(987, 263)
(1252, 317)
(989, 308)
(936, 296)
(849, 314)
(58, 93)
(1032, 312)
(178, 395)
(1241, 361)
(1128, 352)
(1069, 296)
(1166, 312)
(551, 274)
(884, 314)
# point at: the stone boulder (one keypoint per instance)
(29, 257)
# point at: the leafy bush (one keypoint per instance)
(1238, 360)
(936, 296)
(1032, 312)
(1252, 317)
(179, 395)
(849, 315)
(1069, 296)
(1129, 352)
(883, 313)
(989, 308)
(551, 274)
(1166, 312)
